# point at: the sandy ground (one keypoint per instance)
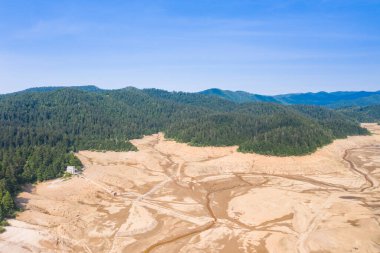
(170, 197)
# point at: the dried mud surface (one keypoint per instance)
(170, 197)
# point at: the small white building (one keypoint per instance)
(71, 170)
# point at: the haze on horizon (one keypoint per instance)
(265, 47)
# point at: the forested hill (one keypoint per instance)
(53, 88)
(40, 128)
(327, 99)
(239, 96)
(363, 114)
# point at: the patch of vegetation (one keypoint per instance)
(4, 223)
(66, 176)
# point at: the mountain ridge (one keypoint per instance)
(336, 99)
(328, 99)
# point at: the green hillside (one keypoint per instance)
(40, 128)
(363, 114)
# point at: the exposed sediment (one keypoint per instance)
(170, 197)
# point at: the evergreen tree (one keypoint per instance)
(7, 204)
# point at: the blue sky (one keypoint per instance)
(261, 46)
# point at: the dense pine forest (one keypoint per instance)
(363, 114)
(40, 129)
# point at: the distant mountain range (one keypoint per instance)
(327, 99)
(334, 100)
(239, 96)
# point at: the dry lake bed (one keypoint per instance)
(171, 197)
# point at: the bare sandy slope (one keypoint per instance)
(170, 197)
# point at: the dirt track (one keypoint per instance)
(169, 197)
